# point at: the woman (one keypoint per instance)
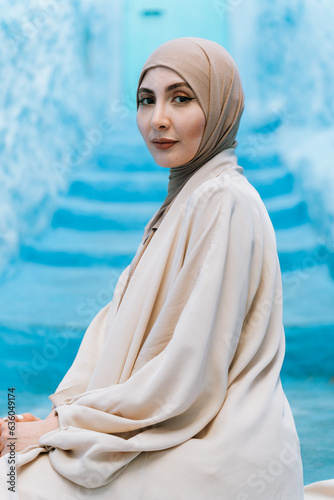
(175, 391)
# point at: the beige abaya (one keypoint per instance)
(175, 392)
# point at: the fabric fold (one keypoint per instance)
(176, 380)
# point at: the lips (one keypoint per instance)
(163, 143)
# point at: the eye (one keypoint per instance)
(183, 99)
(146, 100)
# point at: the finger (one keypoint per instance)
(24, 417)
(2, 446)
(27, 417)
(13, 418)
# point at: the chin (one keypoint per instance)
(164, 161)
(165, 164)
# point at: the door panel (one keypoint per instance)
(149, 23)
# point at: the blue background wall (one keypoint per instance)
(149, 23)
(77, 185)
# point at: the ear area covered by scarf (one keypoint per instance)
(214, 78)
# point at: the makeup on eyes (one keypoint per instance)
(169, 117)
(187, 99)
(175, 86)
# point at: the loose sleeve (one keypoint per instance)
(173, 396)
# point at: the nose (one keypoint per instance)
(160, 118)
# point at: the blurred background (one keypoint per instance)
(77, 185)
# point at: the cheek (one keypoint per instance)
(141, 123)
(197, 129)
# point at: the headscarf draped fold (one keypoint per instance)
(214, 78)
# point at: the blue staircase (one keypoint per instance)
(308, 297)
(64, 277)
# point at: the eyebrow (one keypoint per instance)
(167, 89)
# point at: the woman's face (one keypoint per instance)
(169, 117)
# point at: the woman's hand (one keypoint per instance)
(26, 430)
(25, 417)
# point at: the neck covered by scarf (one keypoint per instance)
(214, 78)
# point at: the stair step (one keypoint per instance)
(70, 247)
(127, 159)
(271, 182)
(308, 297)
(118, 187)
(89, 215)
(36, 359)
(36, 402)
(297, 247)
(300, 247)
(287, 211)
(57, 298)
(312, 403)
(254, 160)
(305, 353)
(152, 186)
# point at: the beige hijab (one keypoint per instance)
(214, 78)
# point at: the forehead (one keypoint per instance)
(160, 77)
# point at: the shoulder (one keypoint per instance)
(227, 192)
(228, 204)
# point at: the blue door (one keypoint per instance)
(149, 23)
